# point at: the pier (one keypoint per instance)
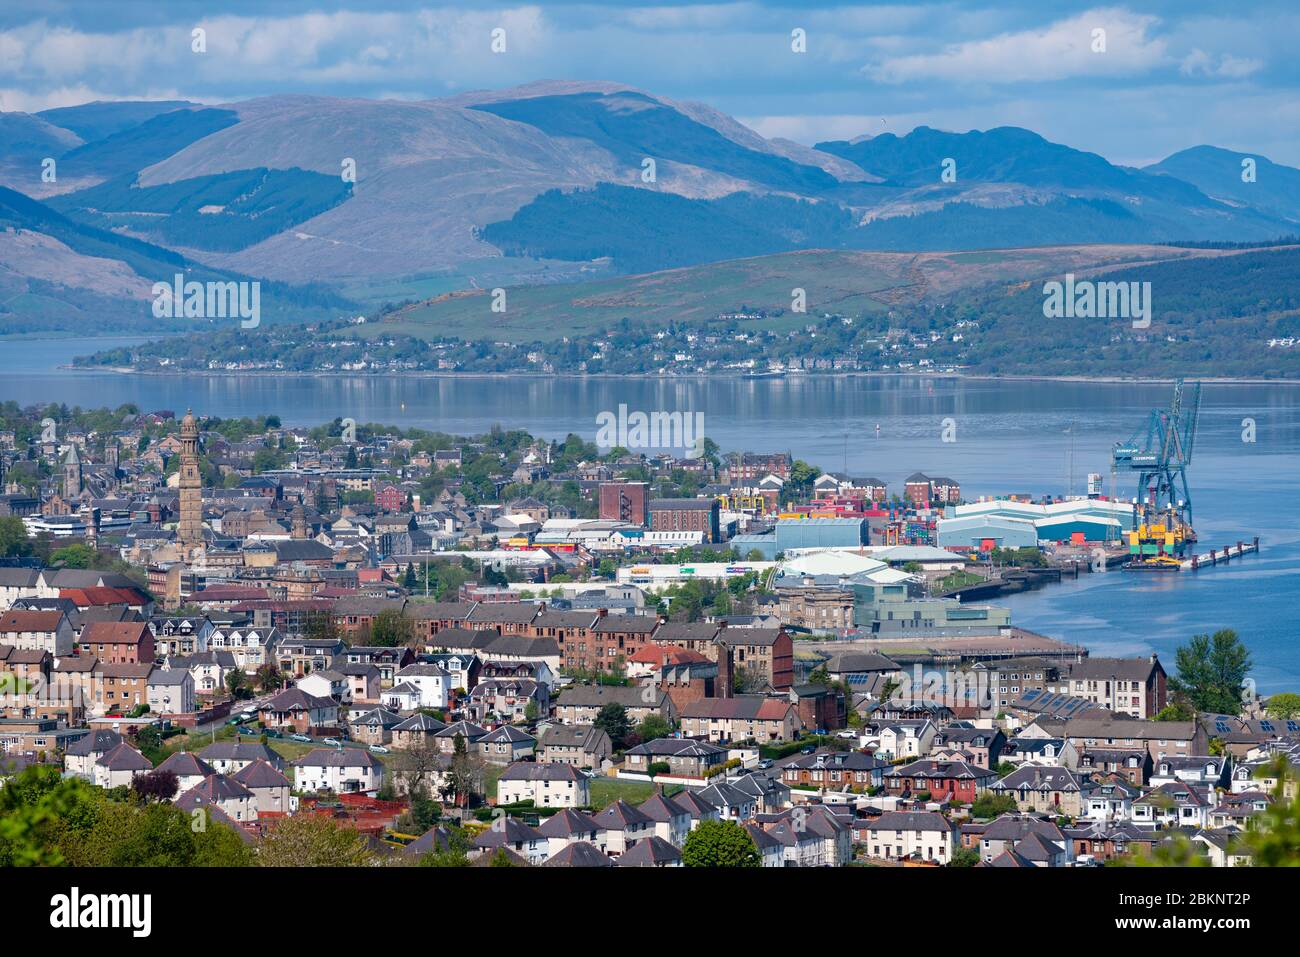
(1221, 556)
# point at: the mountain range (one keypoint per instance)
(552, 182)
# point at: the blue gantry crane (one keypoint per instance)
(1160, 453)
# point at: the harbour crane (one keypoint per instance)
(1160, 453)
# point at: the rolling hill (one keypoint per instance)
(848, 283)
(548, 181)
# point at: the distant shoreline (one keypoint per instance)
(701, 376)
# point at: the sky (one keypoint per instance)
(1171, 75)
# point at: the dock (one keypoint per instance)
(1221, 556)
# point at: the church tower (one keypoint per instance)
(189, 533)
(299, 519)
(72, 474)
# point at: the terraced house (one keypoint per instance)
(742, 718)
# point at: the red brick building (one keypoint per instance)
(944, 780)
(624, 502)
(687, 515)
(116, 643)
(391, 498)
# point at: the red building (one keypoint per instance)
(955, 781)
(118, 643)
(687, 515)
(624, 502)
(391, 499)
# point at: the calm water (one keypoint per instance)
(1010, 437)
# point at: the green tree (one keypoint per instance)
(13, 537)
(1285, 704)
(613, 720)
(965, 857)
(1273, 838)
(75, 556)
(1211, 670)
(462, 775)
(653, 727)
(37, 808)
(720, 844)
(988, 804)
(307, 840)
(1176, 711)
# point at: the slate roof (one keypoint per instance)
(578, 854)
(651, 851)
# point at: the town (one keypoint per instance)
(353, 644)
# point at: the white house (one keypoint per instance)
(217, 790)
(171, 692)
(401, 697)
(546, 785)
(433, 682)
(326, 684)
(910, 738)
(922, 835)
(37, 631)
(341, 770)
(252, 647)
(208, 668)
(119, 767)
(190, 770)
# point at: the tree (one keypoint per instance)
(38, 807)
(749, 679)
(1211, 671)
(74, 556)
(307, 840)
(613, 720)
(155, 786)
(269, 678)
(13, 537)
(1176, 711)
(988, 804)
(720, 844)
(965, 857)
(1004, 768)
(1283, 705)
(415, 767)
(1273, 838)
(237, 685)
(389, 629)
(653, 727)
(464, 773)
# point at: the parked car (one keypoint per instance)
(808, 749)
(272, 733)
(846, 733)
(300, 737)
(765, 764)
(332, 742)
(250, 731)
(378, 749)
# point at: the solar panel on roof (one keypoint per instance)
(1267, 726)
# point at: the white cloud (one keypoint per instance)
(1063, 49)
(1200, 63)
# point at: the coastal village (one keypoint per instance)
(502, 650)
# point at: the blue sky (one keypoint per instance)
(1173, 75)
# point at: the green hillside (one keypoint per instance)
(224, 213)
(840, 282)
